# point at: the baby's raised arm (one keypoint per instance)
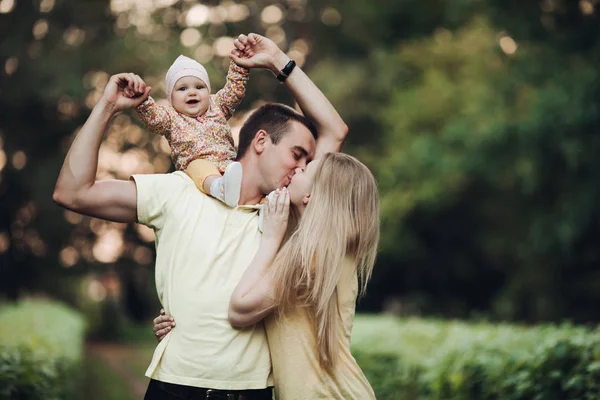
(230, 97)
(157, 118)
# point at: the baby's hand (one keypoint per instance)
(136, 89)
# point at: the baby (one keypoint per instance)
(195, 125)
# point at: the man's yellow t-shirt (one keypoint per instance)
(202, 249)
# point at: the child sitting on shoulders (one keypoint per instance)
(196, 127)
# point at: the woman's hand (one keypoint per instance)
(256, 51)
(125, 91)
(162, 325)
(276, 214)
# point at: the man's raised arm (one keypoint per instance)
(257, 51)
(76, 187)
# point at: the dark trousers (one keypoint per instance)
(168, 391)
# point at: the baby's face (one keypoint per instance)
(190, 96)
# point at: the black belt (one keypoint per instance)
(196, 393)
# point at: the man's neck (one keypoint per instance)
(250, 192)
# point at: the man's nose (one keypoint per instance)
(301, 164)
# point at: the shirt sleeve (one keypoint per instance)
(157, 194)
(228, 98)
(158, 119)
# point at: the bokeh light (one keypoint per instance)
(145, 233)
(74, 36)
(271, 14)
(4, 242)
(190, 37)
(72, 217)
(277, 34)
(40, 29)
(19, 160)
(330, 16)
(67, 108)
(197, 15)
(142, 255)
(218, 15)
(6, 6)
(508, 45)
(236, 12)
(11, 65)
(46, 6)
(204, 53)
(108, 246)
(68, 256)
(223, 46)
(586, 7)
(96, 290)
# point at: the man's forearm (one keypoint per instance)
(79, 168)
(313, 102)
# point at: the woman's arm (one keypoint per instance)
(252, 300)
(162, 325)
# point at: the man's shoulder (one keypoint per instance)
(171, 185)
(177, 178)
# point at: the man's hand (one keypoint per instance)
(125, 90)
(256, 51)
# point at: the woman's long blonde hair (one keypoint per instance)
(341, 220)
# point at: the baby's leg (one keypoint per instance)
(203, 173)
(208, 179)
(208, 183)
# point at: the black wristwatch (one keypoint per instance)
(286, 71)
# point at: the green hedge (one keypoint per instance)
(421, 359)
(40, 351)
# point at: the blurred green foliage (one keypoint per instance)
(428, 359)
(41, 358)
(478, 117)
(100, 382)
(41, 347)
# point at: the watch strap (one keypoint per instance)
(286, 71)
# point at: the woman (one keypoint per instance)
(312, 282)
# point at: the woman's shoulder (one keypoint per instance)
(348, 283)
(350, 269)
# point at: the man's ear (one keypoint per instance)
(306, 199)
(261, 140)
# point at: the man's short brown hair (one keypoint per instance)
(274, 119)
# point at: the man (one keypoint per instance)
(203, 247)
